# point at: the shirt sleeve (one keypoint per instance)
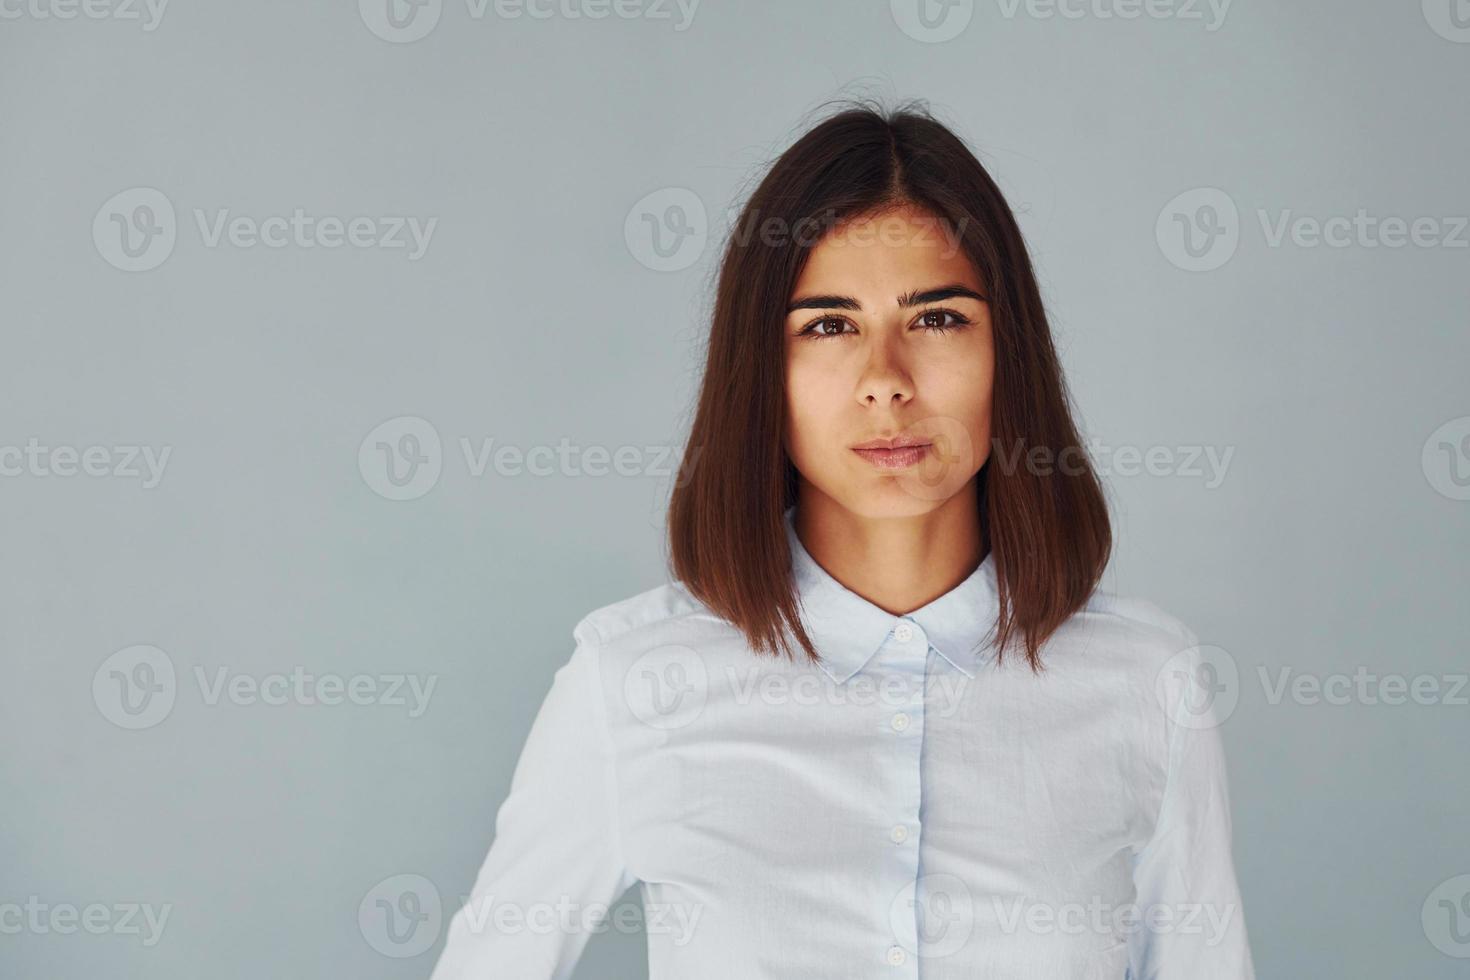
(1191, 924)
(555, 862)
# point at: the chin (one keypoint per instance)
(887, 496)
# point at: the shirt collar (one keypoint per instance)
(848, 630)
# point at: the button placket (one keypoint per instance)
(903, 724)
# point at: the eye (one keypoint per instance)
(933, 321)
(817, 328)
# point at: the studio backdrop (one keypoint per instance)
(348, 350)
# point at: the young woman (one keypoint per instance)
(884, 723)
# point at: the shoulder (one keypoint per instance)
(1138, 617)
(651, 615)
(662, 636)
(1127, 630)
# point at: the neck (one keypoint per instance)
(899, 564)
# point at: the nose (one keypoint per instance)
(884, 381)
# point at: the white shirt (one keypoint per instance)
(906, 809)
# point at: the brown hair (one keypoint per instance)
(1048, 531)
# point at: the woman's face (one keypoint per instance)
(888, 338)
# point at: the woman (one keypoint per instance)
(884, 723)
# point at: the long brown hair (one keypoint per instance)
(1047, 527)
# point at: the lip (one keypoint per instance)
(894, 454)
(893, 442)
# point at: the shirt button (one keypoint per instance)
(896, 955)
(903, 632)
(899, 721)
(899, 833)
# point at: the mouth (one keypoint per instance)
(894, 454)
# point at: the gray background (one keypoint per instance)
(1336, 539)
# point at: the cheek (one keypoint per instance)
(961, 388)
(808, 405)
(818, 400)
(959, 378)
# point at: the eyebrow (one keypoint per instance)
(916, 298)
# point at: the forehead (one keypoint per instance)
(871, 254)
